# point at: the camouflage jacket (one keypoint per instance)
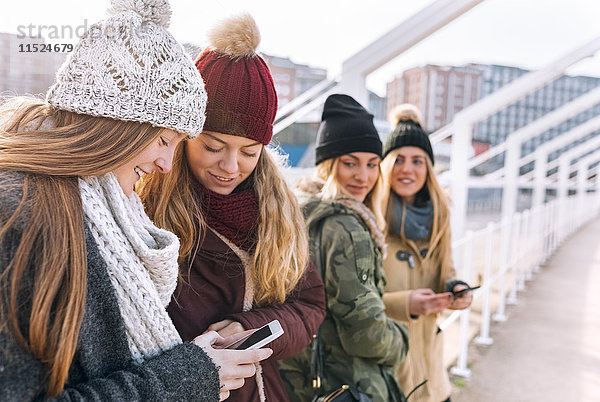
(357, 335)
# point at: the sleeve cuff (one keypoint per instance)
(396, 305)
(186, 367)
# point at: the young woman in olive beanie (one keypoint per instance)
(419, 269)
(361, 344)
(85, 276)
(244, 256)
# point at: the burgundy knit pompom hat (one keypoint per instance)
(242, 99)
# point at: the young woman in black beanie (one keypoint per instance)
(360, 343)
(418, 266)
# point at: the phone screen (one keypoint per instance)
(251, 339)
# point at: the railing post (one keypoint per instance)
(512, 297)
(484, 335)
(545, 230)
(504, 242)
(562, 193)
(581, 191)
(525, 255)
(569, 215)
(510, 188)
(538, 233)
(539, 187)
(555, 223)
(461, 365)
(459, 175)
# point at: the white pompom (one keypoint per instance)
(236, 36)
(157, 11)
(404, 111)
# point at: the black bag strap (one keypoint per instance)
(316, 366)
(416, 388)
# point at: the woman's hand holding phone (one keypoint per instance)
(425, 301)
(226, 328)
(463, 296)
(234, 365)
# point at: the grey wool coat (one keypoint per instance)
(103, 368)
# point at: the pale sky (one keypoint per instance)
(324, 33)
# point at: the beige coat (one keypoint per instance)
(425, 353)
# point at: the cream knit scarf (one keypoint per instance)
(141, 260)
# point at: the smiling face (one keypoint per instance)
(220, 162)
(357, 173)
(156, 156)
(409, 172)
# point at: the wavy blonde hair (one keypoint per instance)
(440, 246)
(332, 189)
(53, 147)
(281, 254)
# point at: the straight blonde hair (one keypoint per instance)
(440, 247)
(52, 148)
(281, 253)
(332, 189)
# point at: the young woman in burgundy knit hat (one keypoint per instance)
(244, 256)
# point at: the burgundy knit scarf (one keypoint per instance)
(235, 215)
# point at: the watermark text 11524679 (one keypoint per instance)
(45, 47)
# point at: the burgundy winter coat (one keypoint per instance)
(213, 289)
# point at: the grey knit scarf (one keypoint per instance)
(417, 221)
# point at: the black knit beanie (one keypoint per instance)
(345, 127)
(408, 133)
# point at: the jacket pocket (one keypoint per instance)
(363, 254)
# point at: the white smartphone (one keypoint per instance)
(259, 338)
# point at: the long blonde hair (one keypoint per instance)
(332, 189)
(281, 254)
(52, 148)
(439, 240)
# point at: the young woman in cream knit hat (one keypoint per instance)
(85, 276)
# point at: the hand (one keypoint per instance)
(426, 301)
(463, 300)
(226, 328)
(233, 365)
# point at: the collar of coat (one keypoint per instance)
(308, 189)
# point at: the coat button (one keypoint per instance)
(364, 277)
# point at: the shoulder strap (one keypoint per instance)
(316, 366)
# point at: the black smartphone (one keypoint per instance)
(459, 293)
(258, 338)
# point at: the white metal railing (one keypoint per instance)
(525, 240)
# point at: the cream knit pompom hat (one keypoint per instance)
(129, 67)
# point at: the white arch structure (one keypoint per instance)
(355, 69)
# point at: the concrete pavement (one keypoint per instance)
(549, 348)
